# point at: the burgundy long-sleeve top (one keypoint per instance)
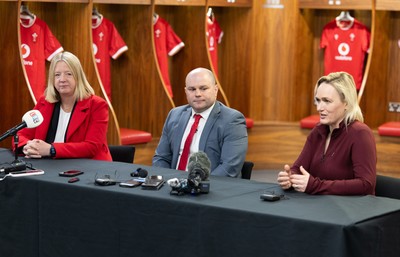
(349, 165)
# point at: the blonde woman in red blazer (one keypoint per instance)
(75, 121)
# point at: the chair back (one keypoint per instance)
(247, 169)
(387, 187)
(122, 153)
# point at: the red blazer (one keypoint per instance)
(86, 134)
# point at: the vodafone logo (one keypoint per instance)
(95, 49)
(25, 50)
(343, 49)
(211, 40)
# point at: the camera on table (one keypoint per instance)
(188, 186)
(105, 181)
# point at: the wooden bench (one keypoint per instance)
(133, 136)
(391, 128)
(249, 123)
(310, 121)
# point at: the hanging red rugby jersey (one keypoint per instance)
(167, 43)
(107, 44)
(38, 44)
(214, 37)
(345, 48)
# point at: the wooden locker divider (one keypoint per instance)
(333, 4)
(274, 58)
(388, 5)
(136, 96)
(234, 60)
(70, 22)
(384, 73)
(315, 15)
(16, 99)
(188, 21)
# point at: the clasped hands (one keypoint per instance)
(36, 148)
(298, 181)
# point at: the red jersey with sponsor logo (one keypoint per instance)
(107, 44)
(346, 44)
(214, 37)
(38, 44)
(167, 43)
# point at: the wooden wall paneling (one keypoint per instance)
(15, 97)
(228, 3)
(306, 51)
(273, 62)
(180, 2)
(374, 99)
(134, 2)
(70, 22)
(188, 22)
(137, 94)
(393, 78)
(389, 5)
(334, 4)
(234, 60)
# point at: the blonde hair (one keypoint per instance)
(83, 89)
(345, 86)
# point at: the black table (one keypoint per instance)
(46, 216)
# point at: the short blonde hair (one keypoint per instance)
(83, 89)
(345, 86)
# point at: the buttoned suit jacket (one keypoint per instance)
(224, 139)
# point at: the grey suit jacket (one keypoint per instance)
(224, 139)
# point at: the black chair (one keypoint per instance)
(247, 169)
(122, 153)
(387, 187)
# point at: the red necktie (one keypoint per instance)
(186, 148)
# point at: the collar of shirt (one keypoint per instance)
(204, 114)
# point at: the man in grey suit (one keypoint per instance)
(221, 132)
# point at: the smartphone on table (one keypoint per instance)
(130, 183)
(70, 173)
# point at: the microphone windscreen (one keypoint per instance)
(142, 173)
(32, 118)
(199, 162)
(139, 172)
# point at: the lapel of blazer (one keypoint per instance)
(215, 112)
(78, 116)
(47, 112)
(181, 126)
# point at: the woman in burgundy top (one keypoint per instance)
(339, 156)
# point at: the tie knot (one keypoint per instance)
(197, 116)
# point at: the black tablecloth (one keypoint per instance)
(46, 216)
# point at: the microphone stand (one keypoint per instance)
(16, 161)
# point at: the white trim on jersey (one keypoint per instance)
(176, 49)
(119, 52)
(59, 50)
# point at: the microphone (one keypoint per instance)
(31, 119)
(142, 173)
(197, 182)
(18, 166)
(199, 168)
